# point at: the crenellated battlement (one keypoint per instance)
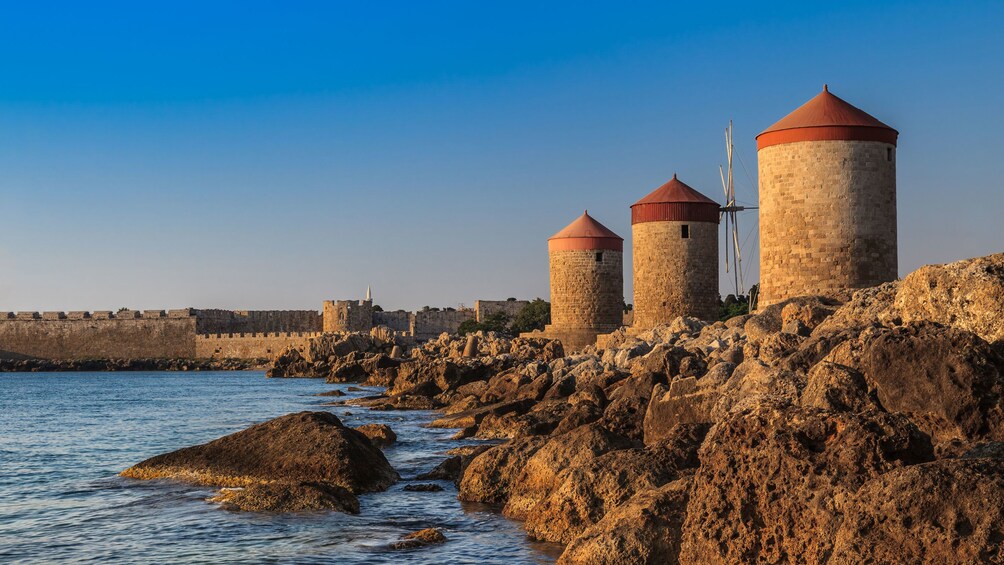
(98, 315)
(258, 335)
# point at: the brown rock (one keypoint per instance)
(420, 538)
(539, 475)
(867, 307)
(489, 475)
(774, 481)
(644, 530)
(306, 447)
(949, 511)
(586, 492)
(837, 388)
(285, 497)
(625, 413)
(668, 408)
(380, 434)
(948, 381)
(968, 295)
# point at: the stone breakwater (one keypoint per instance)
(847, 429)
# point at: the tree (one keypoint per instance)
(497, 322)
(533, 316)
(377, 308)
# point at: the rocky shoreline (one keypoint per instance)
(847, 429)
(109, 365)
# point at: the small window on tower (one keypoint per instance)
(599, 256)
(888, 154)
(685, 231)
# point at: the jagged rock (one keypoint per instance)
(838, 388)
(949, 511)
(681, 403)
(535, 348)
(948, 381)
(645, 529)
(808, 310)
(473, 417)
(420, 538)
(774, 481)
(580, 414)
(489, 476)
(539, 475)
(306, 447)
(285, 497)
(423, 487)
(541, 419)
(866, 307)
(335, 392)
(587, 491)
(754, 383)
(773, 347)
(663, 359)
(290, 363)
(625, 412)
(966, 294)
(379, 434)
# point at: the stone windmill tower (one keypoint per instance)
(675, 237)
(587, 282)
(827, 201)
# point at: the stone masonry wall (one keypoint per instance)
(485, 308)
(347, 316)
(827, 217)
(397, 320)
(587, 290)
(215, 321)
(674, 276)
(430, 323)
(250, 346)
(98, 335)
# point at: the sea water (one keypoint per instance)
(64, 437)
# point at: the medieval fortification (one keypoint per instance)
(827, 175)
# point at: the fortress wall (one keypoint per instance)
(264, 345)
(97, 335)
(485, 308)
(429, 324)
(398, 320)
(347, 316)
(216, 321)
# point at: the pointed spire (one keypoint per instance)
(369, 294)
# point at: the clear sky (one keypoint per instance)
(275, 154)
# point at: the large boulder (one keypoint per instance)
(683, 402)
(540, 473)
(586, 492)
(866, 307)
(284, 497)
(646, 529)
(948, 381)
(625, 412)
(949, 511)
(968, 295)
(489, 476)
(774, 481)
(306, 447)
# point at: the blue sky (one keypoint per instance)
(273, 155)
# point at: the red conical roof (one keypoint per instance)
(674, 191)
(826, 117)
(585, 233)
(674, 201)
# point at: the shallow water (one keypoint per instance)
(64, 437)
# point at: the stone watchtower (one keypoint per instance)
(827, 201)
(675, 234)
(587, 282)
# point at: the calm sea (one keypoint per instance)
(65, 436)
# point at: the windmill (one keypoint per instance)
(730, 215)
